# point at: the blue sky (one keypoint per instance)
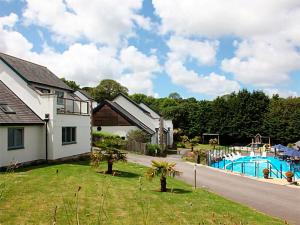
(198, 48)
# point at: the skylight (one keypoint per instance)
(6, 109)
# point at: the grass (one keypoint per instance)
(77, 194)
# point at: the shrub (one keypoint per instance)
(213, 142)
(138, 136)
(196, 140)
(184, 139)
(104, 140)
(180, 145)
(266, 171)
(153, 149)
(101, 134)
(289, 174)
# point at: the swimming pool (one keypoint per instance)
(254, 166)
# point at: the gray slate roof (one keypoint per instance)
(33, 73)
(23, 115)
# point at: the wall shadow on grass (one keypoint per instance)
(43, 164)
(119, 173)
(176, 191)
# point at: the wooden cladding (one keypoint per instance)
(106, 116)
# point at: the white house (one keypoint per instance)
(122, 115)
(41, 118)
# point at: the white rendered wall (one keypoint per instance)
(34, 146)
(38, 103)
(83, 141)
(169, 124)
(46, 104)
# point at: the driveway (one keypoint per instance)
(276, 200)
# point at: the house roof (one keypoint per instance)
(150, 108)
(125, 114)
(22, 114)
(33, 73)
(87, 95)
(133, 102)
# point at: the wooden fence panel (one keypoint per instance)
(137, 147)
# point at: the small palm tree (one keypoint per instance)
(162, 169)
(108, 154)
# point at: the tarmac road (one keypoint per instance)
(275, 200)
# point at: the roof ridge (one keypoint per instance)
(22, 60)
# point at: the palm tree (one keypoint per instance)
(108, 154)
(162, 169)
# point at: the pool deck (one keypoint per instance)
(281, 201)
(277, 181)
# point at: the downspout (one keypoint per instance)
(91, 125)
(46, 120)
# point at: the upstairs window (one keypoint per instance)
(60, 97)
(68, 135)
(15, 138)
(43, 90)
(6, 109)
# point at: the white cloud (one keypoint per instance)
(212, 84)
(11, 40)
(203, 51)
(263, 63)
(87, 64)
(268, 30)
(100, 21)
(216, 18)
(183, 49)
(141, 70)
(281, 93)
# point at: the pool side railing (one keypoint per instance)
(274, 171)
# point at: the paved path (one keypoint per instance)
(276, 200)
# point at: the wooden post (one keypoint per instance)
(195, 176)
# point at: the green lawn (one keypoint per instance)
(33, 195)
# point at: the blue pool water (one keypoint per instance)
(254, 166)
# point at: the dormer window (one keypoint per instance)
(43, 90)
(6, 109)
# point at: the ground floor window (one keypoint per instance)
(68, 135)
(15, 138)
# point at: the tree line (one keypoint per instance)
(236, 116)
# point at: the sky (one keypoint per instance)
(197, 48)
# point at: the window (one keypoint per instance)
(60, 97)
(6, 109)
(68, 135)
(15, 138)
(43, 90)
